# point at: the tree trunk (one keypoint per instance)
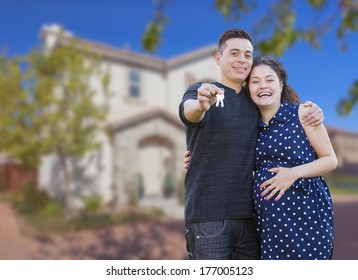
(115, 195)
(67, 185)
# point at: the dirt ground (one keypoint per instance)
(153, 240)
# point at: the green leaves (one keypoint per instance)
(317, 3)
(152, 37)
(49, 103)
(280, 23)
(348, 24)
(234, 8)
(278, 28)
(48, 107)
(15, 113)
(73, 113)
(345, 105)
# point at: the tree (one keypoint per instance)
(345, 106)
(18, 138)
(49, 107)
(69, 119)
(277, 29)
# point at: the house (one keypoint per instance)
(345, 144)
(147, 138)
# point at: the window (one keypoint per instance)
(134, 84)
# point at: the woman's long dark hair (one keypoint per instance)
(288, 94)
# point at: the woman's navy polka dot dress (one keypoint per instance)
(300, 224)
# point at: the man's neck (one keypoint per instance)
(235, 86)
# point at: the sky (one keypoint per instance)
(323, 76)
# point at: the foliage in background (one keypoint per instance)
(19, 137)
(32, 201)
(168, 185)
(48, 107)
(346, 105)
(41, 214)
(153, 34)
(278, 29)
(345, 182)
(93, 204)
(2, 185)
(69, 119)
(141, 185)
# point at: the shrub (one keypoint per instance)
(51, 209)
(168, 185)
(93, 203)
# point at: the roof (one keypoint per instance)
(337, 131)
(127, 56)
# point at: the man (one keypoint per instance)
(219, 216)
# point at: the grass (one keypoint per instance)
(57, 223)
(41, 214)
(340, 184)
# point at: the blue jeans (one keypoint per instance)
(222, 240)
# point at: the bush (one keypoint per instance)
(51, 209)
(2, 185)
(141, 185)
(168, 185)
(29, 199)
(93, 204)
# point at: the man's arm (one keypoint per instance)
(194, 109)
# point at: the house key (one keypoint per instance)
(220, 98)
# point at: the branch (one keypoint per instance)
(152, 37)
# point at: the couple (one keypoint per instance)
(285, 210)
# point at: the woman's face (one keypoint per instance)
(265, 87)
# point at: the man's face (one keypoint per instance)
(235, 60)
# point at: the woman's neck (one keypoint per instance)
(268, 112)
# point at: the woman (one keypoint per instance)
(292, 201)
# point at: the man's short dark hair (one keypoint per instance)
(232, 33)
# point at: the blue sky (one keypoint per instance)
(323, 76)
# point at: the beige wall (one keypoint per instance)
(200, 70)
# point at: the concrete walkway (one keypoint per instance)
(12, 243)
(170, 206)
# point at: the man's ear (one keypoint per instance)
(217, 57)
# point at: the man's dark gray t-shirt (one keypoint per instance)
(218, 183)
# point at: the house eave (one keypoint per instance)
(144, 116)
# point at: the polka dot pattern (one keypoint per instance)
(300, 224)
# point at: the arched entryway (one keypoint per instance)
(156, 158)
